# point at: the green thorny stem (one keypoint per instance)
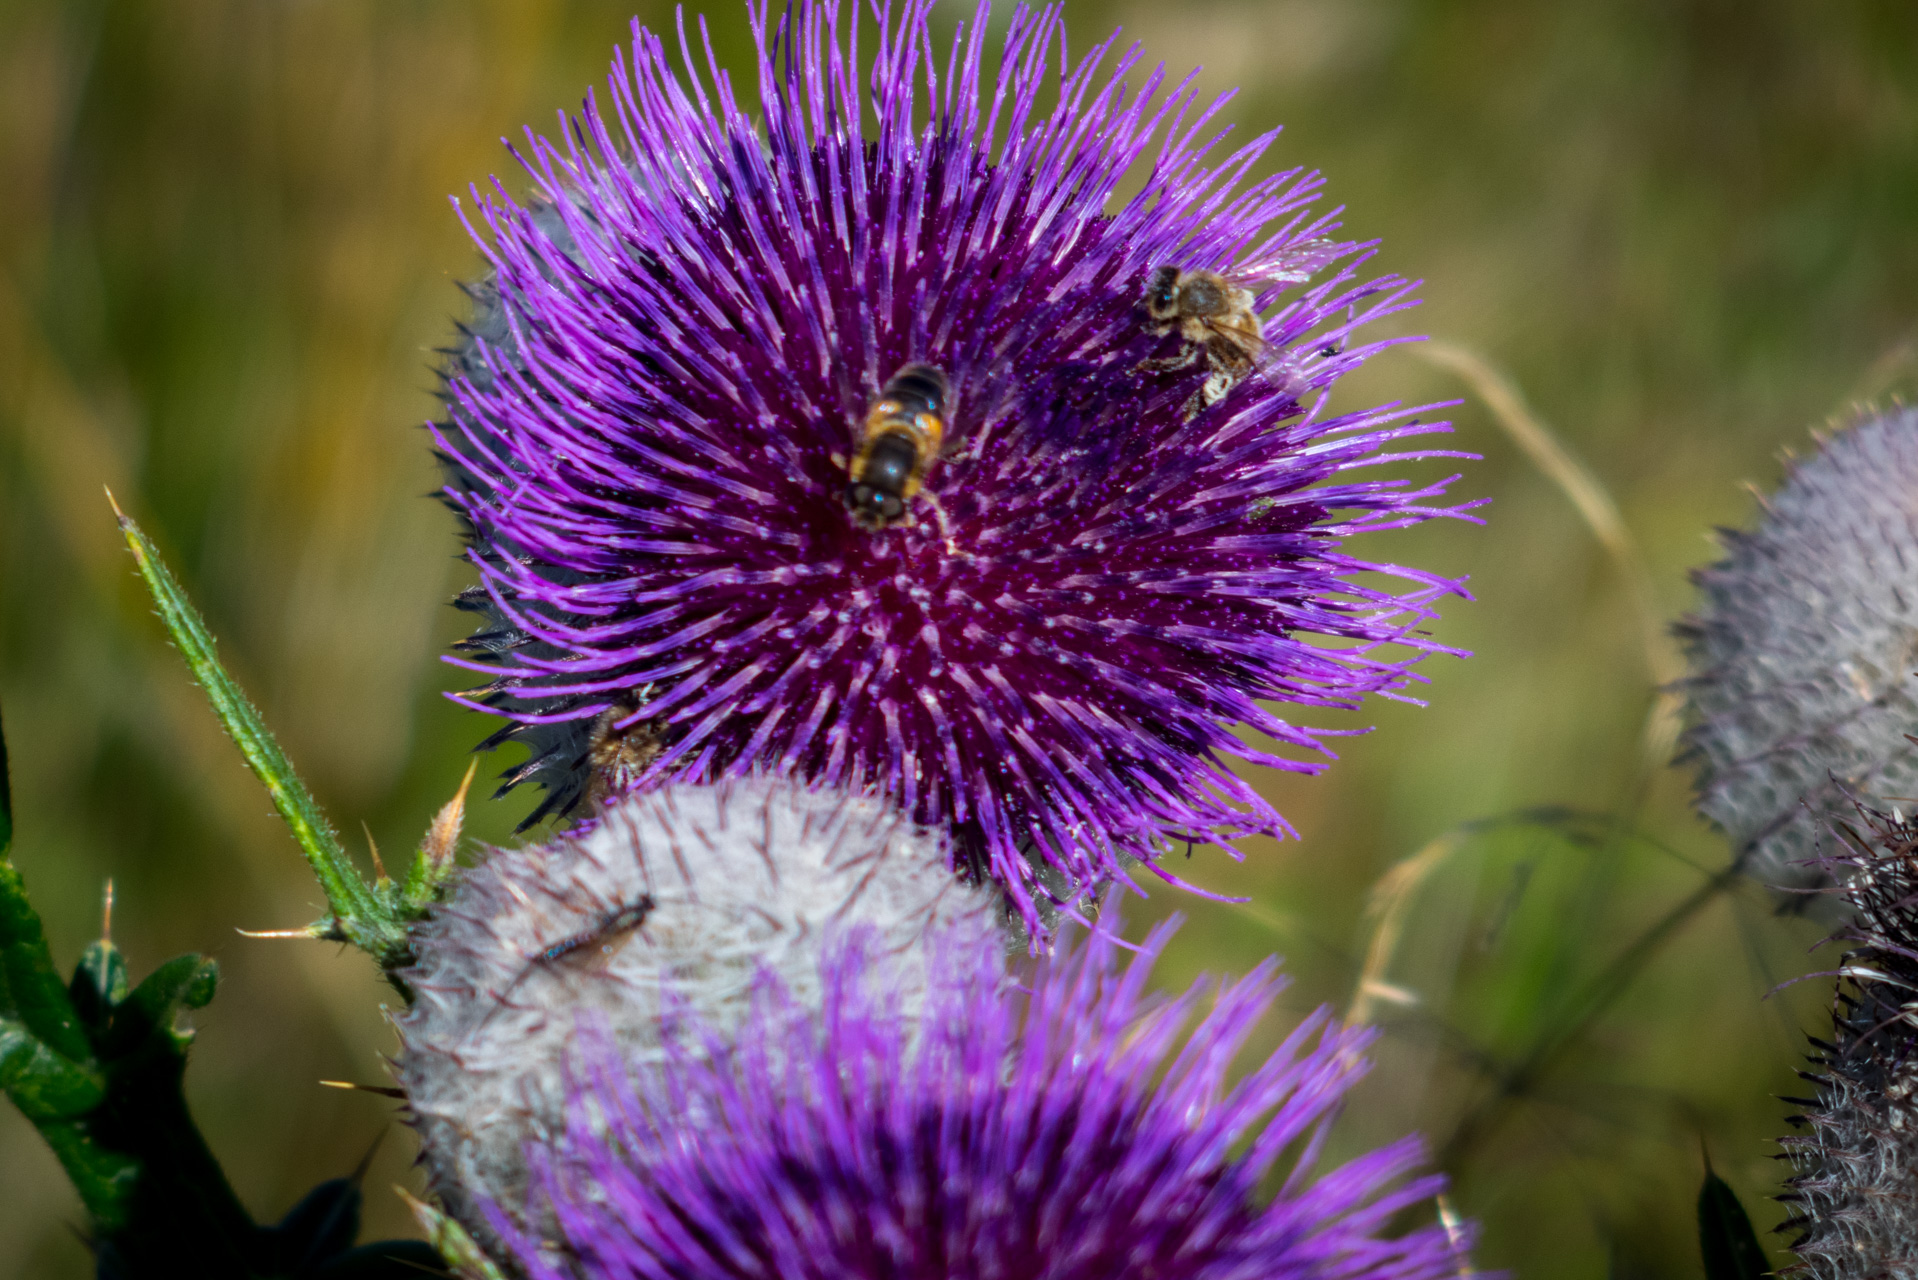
(373, 917)
(96, 1068)
(96, 1064)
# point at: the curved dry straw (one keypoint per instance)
(1393, 894)
(1894, 372)
(1387, 907)
(1589, 497)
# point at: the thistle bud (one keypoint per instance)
(1802, 653)
(675, 904)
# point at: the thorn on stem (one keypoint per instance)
(385, 1091)
(379, 868)
(366, 1161)
(443, 835)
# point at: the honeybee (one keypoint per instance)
(1216, 319)
(903, 431)
(615, 757)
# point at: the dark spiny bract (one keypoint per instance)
(1854, 1192)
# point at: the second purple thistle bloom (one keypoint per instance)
(1122, 542)
(1082, 1129)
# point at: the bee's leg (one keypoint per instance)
(1166, 364)
(839, 460)
(945, 525)
(1217, 385)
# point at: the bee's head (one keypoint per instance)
(1162, 293)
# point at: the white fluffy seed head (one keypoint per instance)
(675, 899)
(1803, 650)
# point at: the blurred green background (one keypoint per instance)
(1687, 229)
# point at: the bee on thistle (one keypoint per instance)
(901, 437)
(1215, 320)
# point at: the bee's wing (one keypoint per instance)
(1282, 367)
(1265, 355)
(1294, 367)
(1293, 264)
(1260, 353)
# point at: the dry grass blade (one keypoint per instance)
(1282, 923)
(1390, 902)
(1588, 495)
(1456, 1235)
(1887, 375)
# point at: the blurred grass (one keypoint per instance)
(1684, 230)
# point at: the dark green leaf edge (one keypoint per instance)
(1726, 1239)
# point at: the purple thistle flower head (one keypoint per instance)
(1005, 1133)
(1117, 497)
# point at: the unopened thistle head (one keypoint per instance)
(1804, 648)
(1081, 1130)
(1855, 1189)
(1039, 589)
(676, 903)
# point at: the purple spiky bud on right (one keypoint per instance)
(1803, 650)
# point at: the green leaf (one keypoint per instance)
(33, 991)
(104, 1178)
(105, 1094)
(182, 981)
(367, 922)
(6, 798)
(99, 983)
(1725, 1235)
(42, 1083)
(199, 989)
